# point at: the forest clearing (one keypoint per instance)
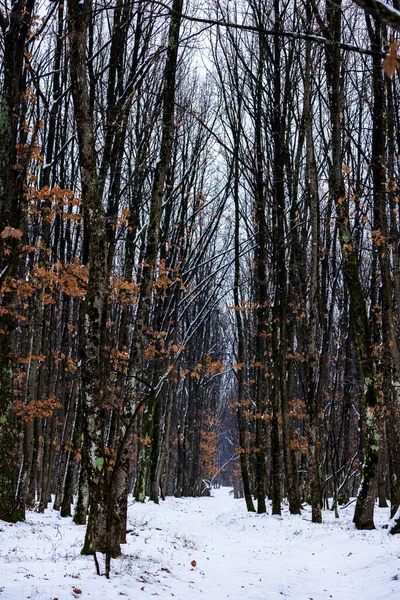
(196, 548)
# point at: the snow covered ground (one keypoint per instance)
(204, 548)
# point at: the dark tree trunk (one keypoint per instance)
(312, 398)
(119, 479)
(240, 346)
(97, 535)
(260, 295)
(363, 516)
(15, 32)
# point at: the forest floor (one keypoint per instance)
(204, 548)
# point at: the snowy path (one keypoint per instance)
(238, 556)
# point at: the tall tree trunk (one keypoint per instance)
(240, 345)
(280, 304)
(363, 516)
(381, 239)
(15, 32)
(97, 537)
(311, 349)
(260, 294)
(119, 478)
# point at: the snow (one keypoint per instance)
(387, 7)
(393, 521)
(237, 556)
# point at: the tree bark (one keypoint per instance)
(15, 32)
(97, 535)
(311, 347)
(363, 516)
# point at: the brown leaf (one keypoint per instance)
(391, 62)
(11, 232)
(193, 563)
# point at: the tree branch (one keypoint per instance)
(382, 12)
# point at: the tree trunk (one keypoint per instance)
(311, 347)
(240, 346)
(260, 295)
(15, 32)
(119, 477)
(363, 516)
(97, 536)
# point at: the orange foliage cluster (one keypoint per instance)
(213, 367)
(166, 277)
(38, 409)
(143, 441)
(70, 364)
(69, 278)
(28, 152)
(256, 416)
(118, 362)
(208, 446)
(50, 202)
(298, 408)
(236, 477)
(10, 232)
(241, 403)
(156, 344)
(163, 282)
(300, 443)
(123, 291)
(210, 368)
(246, 307)
(378, 238)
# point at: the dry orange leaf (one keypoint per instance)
(11, 232)
(391, 62)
